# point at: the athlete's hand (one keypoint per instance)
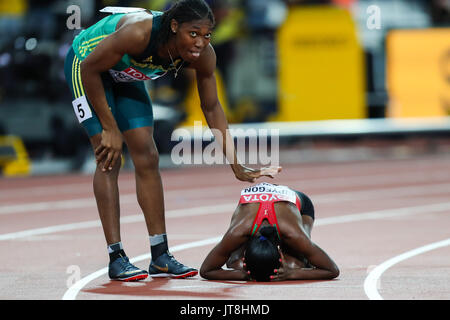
(110, 149)
(247, 275)
(282, 273)
(248, 174)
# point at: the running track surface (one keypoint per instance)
(384, 222)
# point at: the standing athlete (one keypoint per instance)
(105, 69)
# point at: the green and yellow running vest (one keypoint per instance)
(127, 69)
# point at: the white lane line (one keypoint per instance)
(196, 211)
(52, 189)
(51, 229)
(72, 292)
(319, 198)
(370, 283)
(227, 207)
(75, 288)
(388, 213)
(385, 193)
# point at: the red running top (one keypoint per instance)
(266, 195)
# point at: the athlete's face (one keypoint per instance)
(192, 38)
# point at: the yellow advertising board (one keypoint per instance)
(418, 73)
(192, 102)
(12, 8)
(321, 66)
(14, 160)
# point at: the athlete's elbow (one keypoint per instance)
(204, 273)
(84, 69)
(88, 67)
(210, 107)
(88, 72)
(83, 66)
(334, 272)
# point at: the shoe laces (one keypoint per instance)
(125, 262)
(172, 258)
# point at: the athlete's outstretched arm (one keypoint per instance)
(216, 119)
(211, 268)
(128, 39)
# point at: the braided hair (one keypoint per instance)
(183, 11)
(261, 254)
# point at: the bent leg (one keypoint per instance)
(106, 193)
(105, 183)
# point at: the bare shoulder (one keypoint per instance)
(206, 63)
(133, 32)
(244, 215)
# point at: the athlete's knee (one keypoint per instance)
(146, 160)
(110, 175)
(142, 149)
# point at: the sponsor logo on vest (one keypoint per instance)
(128, 75)
(265, 197)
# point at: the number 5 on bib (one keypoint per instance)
(81, 108)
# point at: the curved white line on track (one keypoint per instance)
(72, 292)
(370, 283)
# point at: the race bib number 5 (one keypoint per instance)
(82, 109)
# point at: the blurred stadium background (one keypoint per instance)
(341, 79)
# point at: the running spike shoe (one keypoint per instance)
(121, 269)
(167, 266)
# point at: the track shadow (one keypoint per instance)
(155, 288)
(272, 283)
